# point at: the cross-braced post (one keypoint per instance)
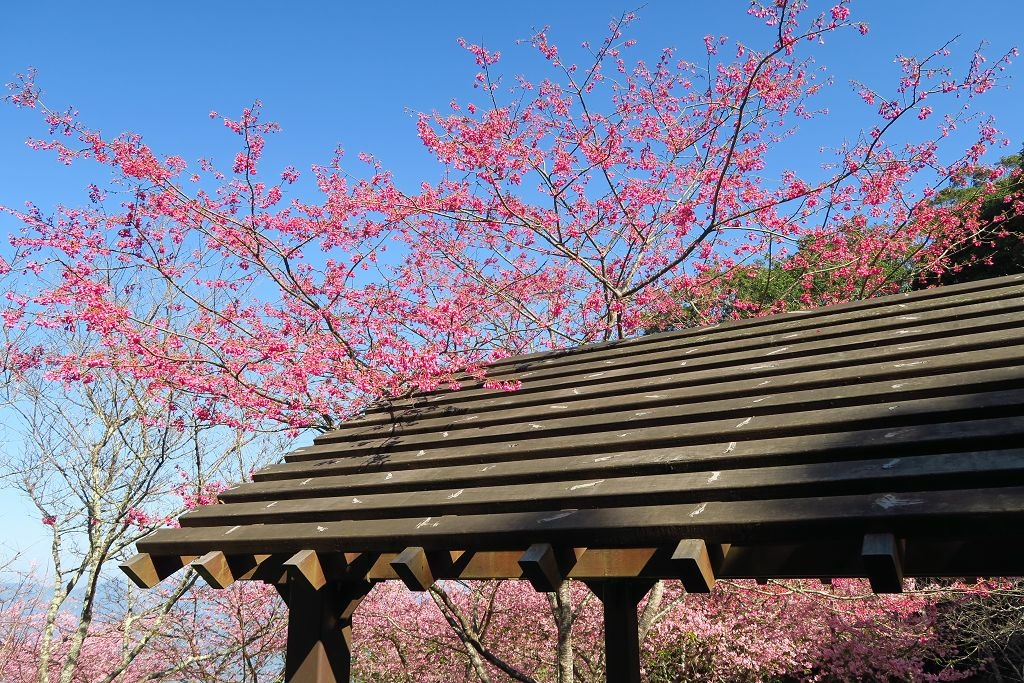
(320, 630)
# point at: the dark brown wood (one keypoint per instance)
(913, 473)
(922, 439)
(613, 416)
(146, 571)
(698, 562)
(319, 630)
(545, 566)
(884, 306)
(541, 407)
(621, 634)
(776, 520)
(413, 566)
(756, 425)
(883, 562)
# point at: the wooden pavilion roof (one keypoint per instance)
(880, 438)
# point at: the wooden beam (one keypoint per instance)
(413, 567)
(220, 570)
(517, 408)
(490, 565)
(698, 562)
(950, 513)
(338, 476)
(883, 562)
(146, 570)
(700, 425)
(545, 566)
(213, 567)
(907, 473)
(307, 564)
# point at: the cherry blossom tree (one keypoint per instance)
(104, 464)
(741, 632)
(607, 197)
(570, 208)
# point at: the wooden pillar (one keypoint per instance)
(319, 630)
(621, 627)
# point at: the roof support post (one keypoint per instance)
(320, 629)
(621, 627)
(883, 562)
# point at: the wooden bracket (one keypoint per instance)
(419, 569)
(307, 564)
(220, 570)
(546, 567)
(883, 562)
(146, 571)
(697, 563)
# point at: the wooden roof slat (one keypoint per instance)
(849, 333)
(914, 473)
(752, 387)
(956, 512)
(323, 477)
(981, 290)
(757, 424)
(652, 397)
(612, 382)
(770, 400)
(340, 477)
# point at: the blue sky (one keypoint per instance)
(352, 74)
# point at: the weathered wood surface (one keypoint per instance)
(902, 347)
(350, 476)
(1003, 295)
(882, 438)
(664, 392)
(911, 473)
(956, 511)
(967, 293)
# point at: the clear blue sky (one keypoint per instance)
(350, 73)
